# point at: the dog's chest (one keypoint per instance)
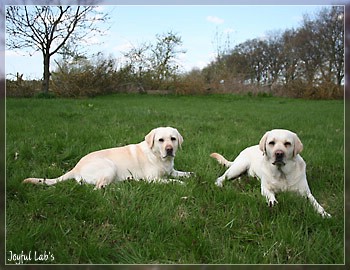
(278, 181)
(158, 169)
(281, 180)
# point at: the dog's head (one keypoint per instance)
(164, 141)
(280, 145)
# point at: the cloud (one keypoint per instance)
(214, 19)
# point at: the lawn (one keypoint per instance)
(196, 223)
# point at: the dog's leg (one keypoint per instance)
(269, 195)
(305, 191)
(219, 181)
(164, 181)
(102, 182)
(317, 206)
(176, 173)
(238, 167)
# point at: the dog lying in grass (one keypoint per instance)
(150, 160)
(276, 162)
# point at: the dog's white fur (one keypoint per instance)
(150, 160)
(276, 162)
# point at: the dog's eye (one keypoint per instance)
(286, 144)
(173, 138)
(272, 143)
(161, 140)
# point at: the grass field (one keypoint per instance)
(196, 223)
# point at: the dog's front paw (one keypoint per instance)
(272, 202)
(99, 187)
(219, 183)
(181, 174)
(324, 214)
(189, 174)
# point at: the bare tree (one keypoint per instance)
(49, 28)
(330, 30)
(289, 56)
(156, 63)
(164, 57)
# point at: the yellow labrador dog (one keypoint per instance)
(150, 160)
(276, 162)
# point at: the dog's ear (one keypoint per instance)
(149, 138)
(262, 143)
(179, 137)
(298, 146)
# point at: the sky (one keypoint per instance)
(197, 25)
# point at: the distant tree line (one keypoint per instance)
(311, 56)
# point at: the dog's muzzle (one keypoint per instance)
(169, 152)
(279, 156)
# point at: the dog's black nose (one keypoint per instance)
(279, 155)
(169, 151)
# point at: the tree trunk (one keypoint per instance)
(46, 78)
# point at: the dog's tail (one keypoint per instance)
(50, 182)
(221, 159)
